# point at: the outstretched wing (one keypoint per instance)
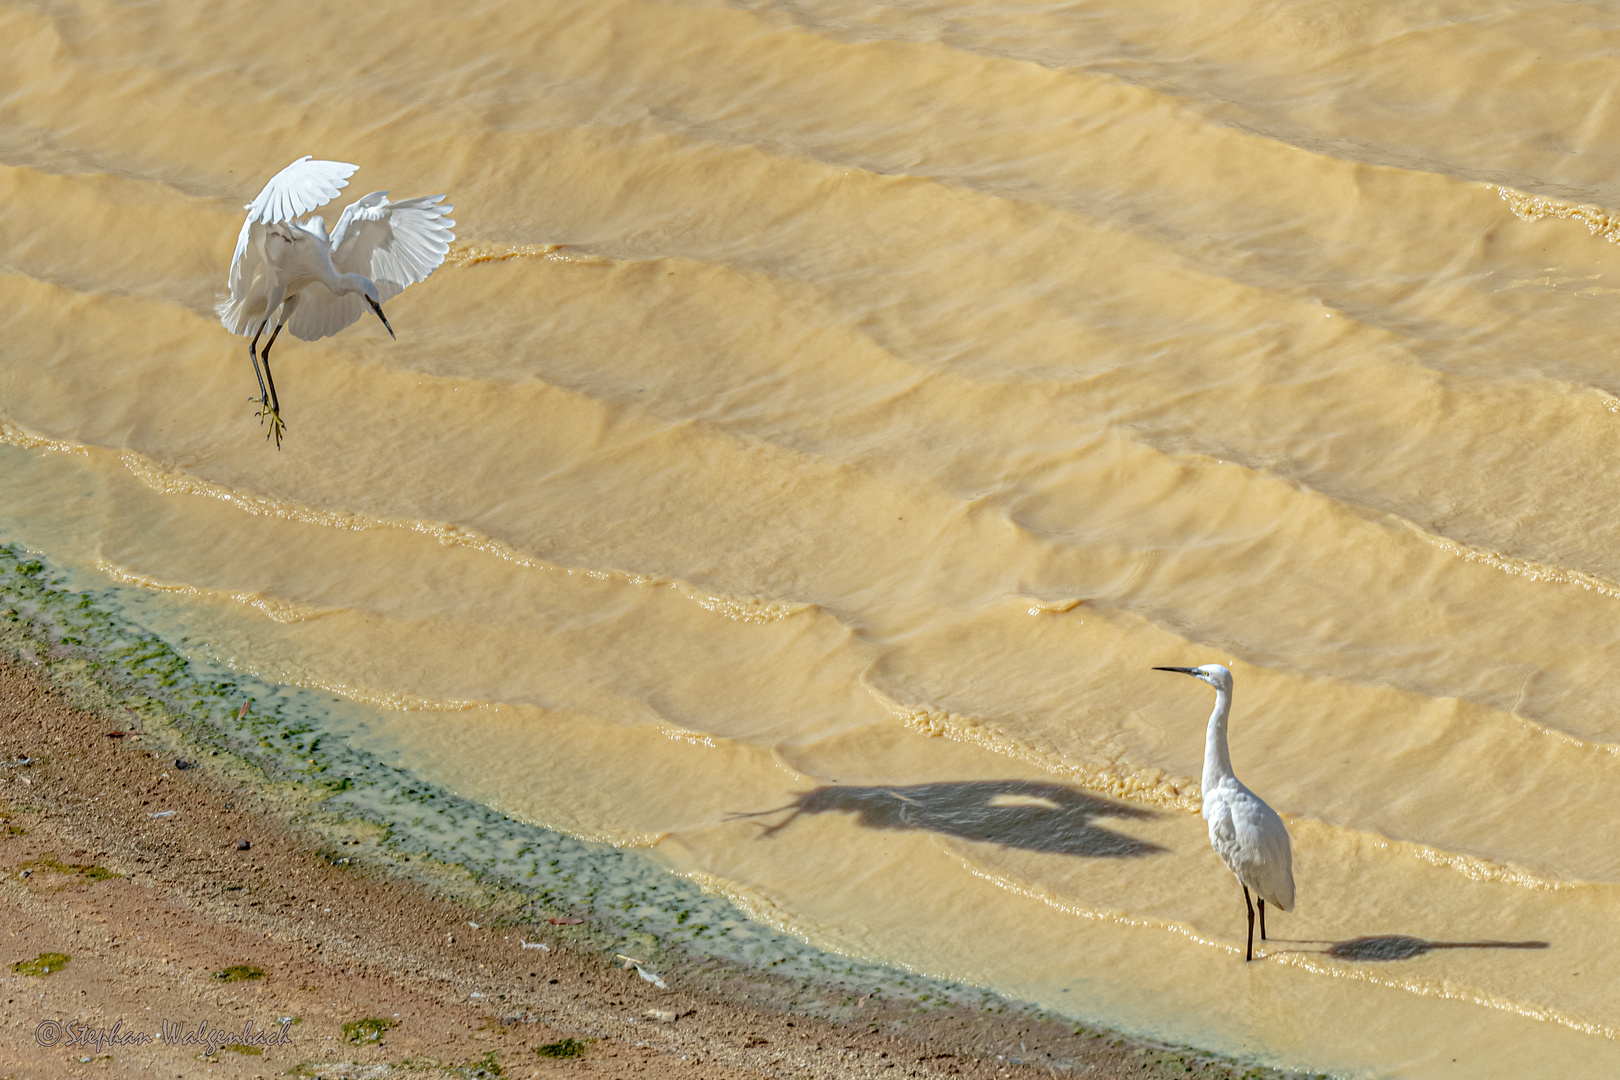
(300, 188)
(395, 244)
(291, 193)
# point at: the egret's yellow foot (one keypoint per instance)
(277, 424)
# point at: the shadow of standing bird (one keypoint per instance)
(1025, 814)
(1385, 947)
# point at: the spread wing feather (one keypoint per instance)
(395, 244)
(294, 191)
(299, 188)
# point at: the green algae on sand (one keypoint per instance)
(239, 973)
(91, 641)
(370, 1029)
(83, 871)
(563, 1048)
(42, 965)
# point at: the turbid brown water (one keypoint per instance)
(843, 407)
(165, 921)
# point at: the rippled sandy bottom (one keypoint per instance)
(837, 409)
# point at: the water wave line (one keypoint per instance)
(281, 611)
(762, 909)
(1152, 785)
(15, 436)
(1517, 566)
(475, 254)
(749, 609)
(1449, 991)
(1527, 207)
(1477, 869)
(392, 700)
(168, 481)
(1533, 571)
(471, 254)
(675, 733)
(1119, 918)
(1445, 990)
(1472, 867)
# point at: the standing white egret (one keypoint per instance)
(378, 248)
(1246, 833)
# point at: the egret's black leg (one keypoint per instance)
(1261, 904)
(1249, 955)
(253, 354)
(276, 423)
(265, 356)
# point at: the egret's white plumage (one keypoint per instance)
(1248, 835)
(377, 250)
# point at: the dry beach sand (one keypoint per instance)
(153, 911)
(838, 407)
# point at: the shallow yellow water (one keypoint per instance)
(859, 399)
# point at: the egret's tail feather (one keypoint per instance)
(233, 313)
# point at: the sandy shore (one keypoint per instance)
(184, 897)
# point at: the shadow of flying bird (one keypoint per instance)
(1029, 815)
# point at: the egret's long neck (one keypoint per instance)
(348, 283)
(317, 258)
(1217, 762)
(339, 284)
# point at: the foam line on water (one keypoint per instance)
(1436, 988)
(170, 481)
(297, 734)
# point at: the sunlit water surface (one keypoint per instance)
(838, 408)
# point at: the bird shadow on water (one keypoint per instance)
(1383, 948)
(1030, 815)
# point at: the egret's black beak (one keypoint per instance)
(378, 309)
(1183, 670)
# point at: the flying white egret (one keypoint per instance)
(1246, 833)
(378, 248)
